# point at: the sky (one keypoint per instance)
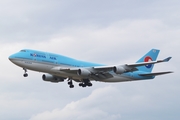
(101, 31)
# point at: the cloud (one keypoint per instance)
(140, 100)
(90, 108)
(105, 32)
(38, 21)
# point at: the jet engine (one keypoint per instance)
(51, 78)
(119, 69)
(83, 72)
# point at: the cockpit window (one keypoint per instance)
(23, 50)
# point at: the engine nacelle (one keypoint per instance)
(83, 72)
(51, 78)
(119, 69)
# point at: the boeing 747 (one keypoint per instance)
(57, 68)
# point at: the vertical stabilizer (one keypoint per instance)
(150, 56)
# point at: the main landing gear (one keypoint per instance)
(70, 83)
(86, 82)
(25, 72)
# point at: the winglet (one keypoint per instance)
(167, 59)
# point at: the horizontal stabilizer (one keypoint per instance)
(167, 59)
(155, 74)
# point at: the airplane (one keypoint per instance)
(57, 68)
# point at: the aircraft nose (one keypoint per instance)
(11, 57)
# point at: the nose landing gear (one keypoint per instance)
(25, 72)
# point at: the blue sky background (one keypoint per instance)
(102, 31)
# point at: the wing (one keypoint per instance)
(147, 63)
(86, 72)
(129, 67)
(103, 72)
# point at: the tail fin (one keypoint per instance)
(150, 56)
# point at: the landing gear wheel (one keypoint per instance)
(70, 83)
(80, 84)
(25, 74)
(89, 84)
(71, 86)
(83, 85)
